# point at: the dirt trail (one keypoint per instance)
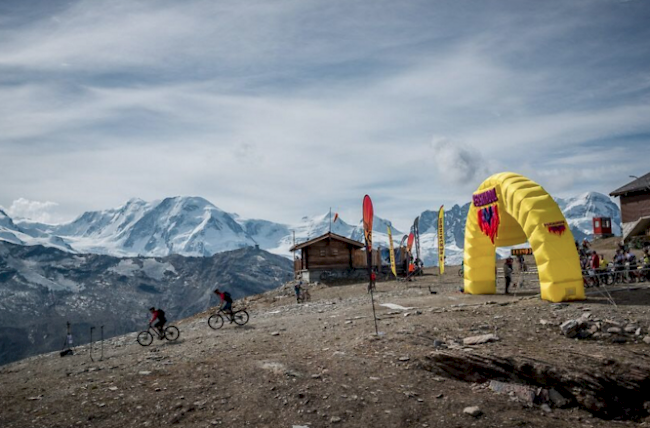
(320, 364)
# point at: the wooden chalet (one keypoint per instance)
(330, 253)
(635, 207)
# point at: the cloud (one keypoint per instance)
(279, 110)
(32, 210)
(457, 163)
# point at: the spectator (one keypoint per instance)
(507, 272)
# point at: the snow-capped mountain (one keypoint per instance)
(379, 232)
(189, 226)
(192, 226)
(10, 232)
(580, 210)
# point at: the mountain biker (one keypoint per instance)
(226, 301)
(157, 315)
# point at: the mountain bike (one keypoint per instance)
(239, 317)
(145, 338)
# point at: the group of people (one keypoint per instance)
(158, 319)
(624, 259)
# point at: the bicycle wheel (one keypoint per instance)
(215, 321)
(240, 317)
(172, 333)
(145, 338)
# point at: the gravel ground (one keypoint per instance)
(320, 364)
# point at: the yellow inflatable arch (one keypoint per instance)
(509, 209)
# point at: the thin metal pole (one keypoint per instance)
(101, 329)
(372, 297)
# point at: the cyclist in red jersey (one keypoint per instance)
(226, 301)
(157, 315)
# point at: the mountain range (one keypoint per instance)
(192, 226)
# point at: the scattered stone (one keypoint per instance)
(647, 339)
(558, 399)
(404, 358)
(523, 393)
(144, 372)
(275, 333)
(473, 411)
(315, 376)
(614, 330)
(570, 328)
(630, 329)
(439, 344)
(546, 408)
(112, 388)
(440, 395)
(478, 340)
(335, 420)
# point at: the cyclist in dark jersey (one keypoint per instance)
(157, 315)
(226, 301)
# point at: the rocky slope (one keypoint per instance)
(42, 288)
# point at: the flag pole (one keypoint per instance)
(330, 219)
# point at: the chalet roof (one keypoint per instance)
(328, 235)
(641, 184)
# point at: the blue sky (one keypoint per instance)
(282, 109)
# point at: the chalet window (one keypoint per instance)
(335, 251)
(322, 252)
(597, 223)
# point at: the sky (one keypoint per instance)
(283, 109)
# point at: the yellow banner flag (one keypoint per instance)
(392, 252)
(441, 239)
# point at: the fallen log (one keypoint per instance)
(606, 388)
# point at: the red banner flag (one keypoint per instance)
(368, 215)
(409, 243)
